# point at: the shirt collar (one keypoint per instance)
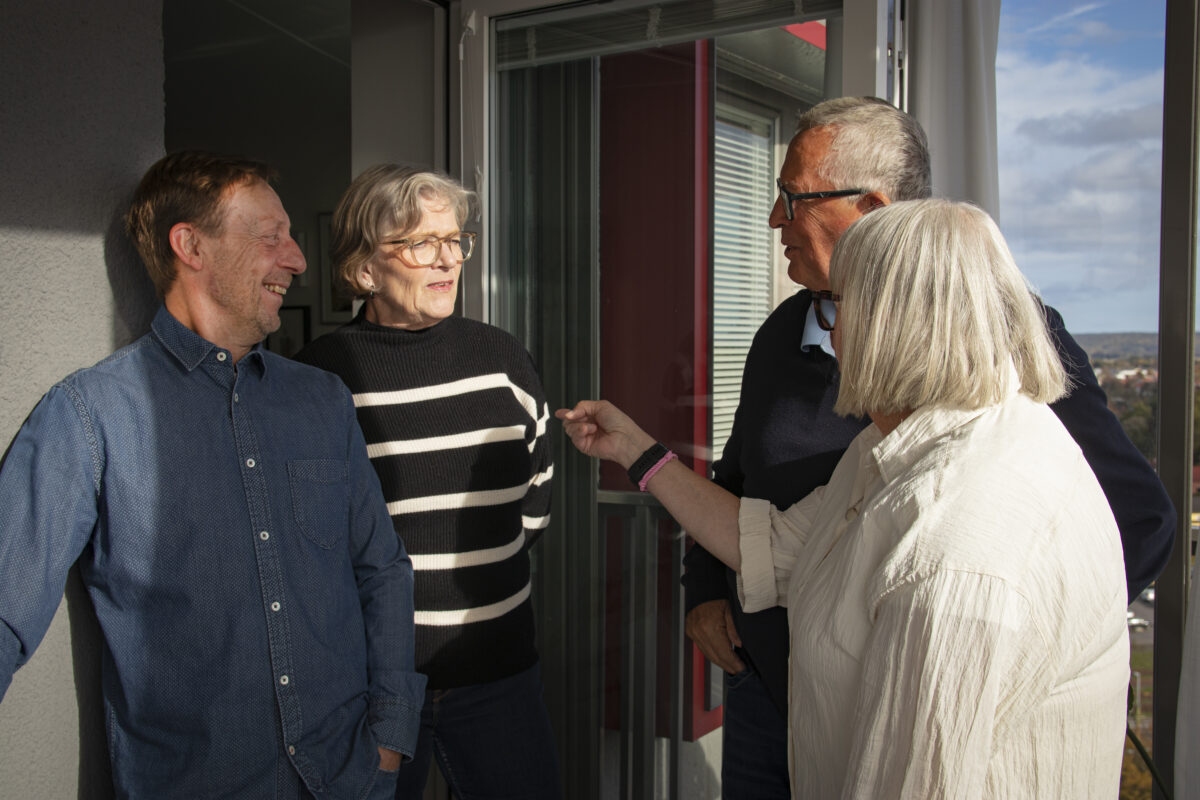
(915, 436)
(189, 348)
(813, 335)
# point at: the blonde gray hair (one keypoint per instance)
(875, 146)
(933, 312)
(384, 201)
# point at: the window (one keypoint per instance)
(743, 169)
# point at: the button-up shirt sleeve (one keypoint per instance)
(771, 541)
(385, 587)
(48, 489)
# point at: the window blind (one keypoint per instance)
(742, 182)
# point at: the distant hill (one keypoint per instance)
(1122, 345)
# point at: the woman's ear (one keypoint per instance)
(366, 280)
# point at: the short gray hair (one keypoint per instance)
(933, 312)
(875, 146)
(382, 201)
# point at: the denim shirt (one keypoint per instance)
(255, 601)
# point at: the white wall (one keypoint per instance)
(81, 117)
(398, 98)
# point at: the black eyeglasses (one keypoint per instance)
(791, 197)
(826, 314)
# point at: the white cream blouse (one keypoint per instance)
(956, 602)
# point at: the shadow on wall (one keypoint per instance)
(135, 300)
(95, 772)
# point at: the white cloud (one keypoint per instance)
(1027, 87)
(1059, 20)
(1076, 128)
(1080, 156)
(1084, 27)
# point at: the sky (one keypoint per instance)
(1079, 133)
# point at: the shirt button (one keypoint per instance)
(283, 680)
(235, 397)
(221, 356)
(851, 513)
(250, 462)
(264, 535)
(275, 606)
(291, 750)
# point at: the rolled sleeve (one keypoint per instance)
(757, 587)
(771, 542)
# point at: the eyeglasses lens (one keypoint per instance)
(427, 251)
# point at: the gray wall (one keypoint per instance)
(399, 89)
(81, 117)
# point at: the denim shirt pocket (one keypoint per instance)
(320, 489)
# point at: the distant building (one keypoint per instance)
(1140, 374)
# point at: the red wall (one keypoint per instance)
(655, 212)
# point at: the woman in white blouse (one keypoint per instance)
(956, 593)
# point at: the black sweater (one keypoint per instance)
(454, 417)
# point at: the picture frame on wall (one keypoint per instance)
(300, 237)
(336, 308)
(295, 331)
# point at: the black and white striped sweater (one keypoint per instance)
(455, 422)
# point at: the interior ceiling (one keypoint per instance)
(775, 58)
(202, 29)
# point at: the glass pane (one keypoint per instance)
(599, 29)
(1079, 96)
(743, 164)
(625, 262)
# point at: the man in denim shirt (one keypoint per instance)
(255, 601)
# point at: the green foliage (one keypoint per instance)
(1196, 428)
(1136, 780)
(1136, 405)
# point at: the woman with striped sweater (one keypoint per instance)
(455, 422)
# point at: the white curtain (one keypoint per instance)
(952, 93)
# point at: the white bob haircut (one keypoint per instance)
(933, 312)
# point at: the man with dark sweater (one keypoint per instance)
(848, 157)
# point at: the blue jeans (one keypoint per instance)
(491, 740)
(754, 754)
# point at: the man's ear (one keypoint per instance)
(185, 243)
(871, 201)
